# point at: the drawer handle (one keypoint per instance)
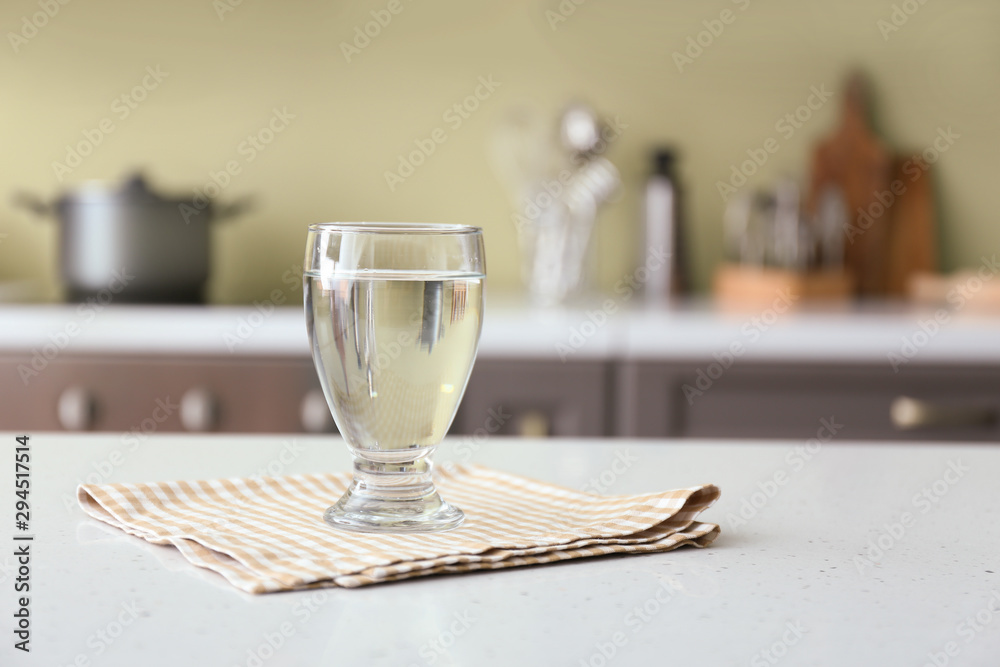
(314, 412)
(199, 410)
(534, 424)
(910, 413)
(76, 409)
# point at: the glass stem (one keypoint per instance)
(397, 481)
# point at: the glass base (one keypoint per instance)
(393, 498)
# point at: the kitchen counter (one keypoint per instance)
(830, 554)
(603, 330)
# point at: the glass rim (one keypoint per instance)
(393, 228)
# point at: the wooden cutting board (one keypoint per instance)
(857, 162)
(912, 237)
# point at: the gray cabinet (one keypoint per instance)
(582, 398)
(144, 394)
(537, 397)
(786, 400)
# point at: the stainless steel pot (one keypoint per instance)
(132, 243)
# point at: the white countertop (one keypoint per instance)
(785, 580)
(512, 329)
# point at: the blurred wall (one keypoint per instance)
(225, 67)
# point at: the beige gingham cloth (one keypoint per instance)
(266, 534)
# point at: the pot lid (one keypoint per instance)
(134, 191)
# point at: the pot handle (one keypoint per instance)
(233, 209)
(35, 204)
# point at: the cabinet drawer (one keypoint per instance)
(520, 397)
(122, 394)
(755, 400)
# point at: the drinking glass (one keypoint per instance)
(394, 312)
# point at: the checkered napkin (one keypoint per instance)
(266, 534)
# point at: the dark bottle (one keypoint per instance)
(662, 226)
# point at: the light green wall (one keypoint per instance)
(352, 120)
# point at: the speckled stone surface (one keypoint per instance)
(833, 553)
